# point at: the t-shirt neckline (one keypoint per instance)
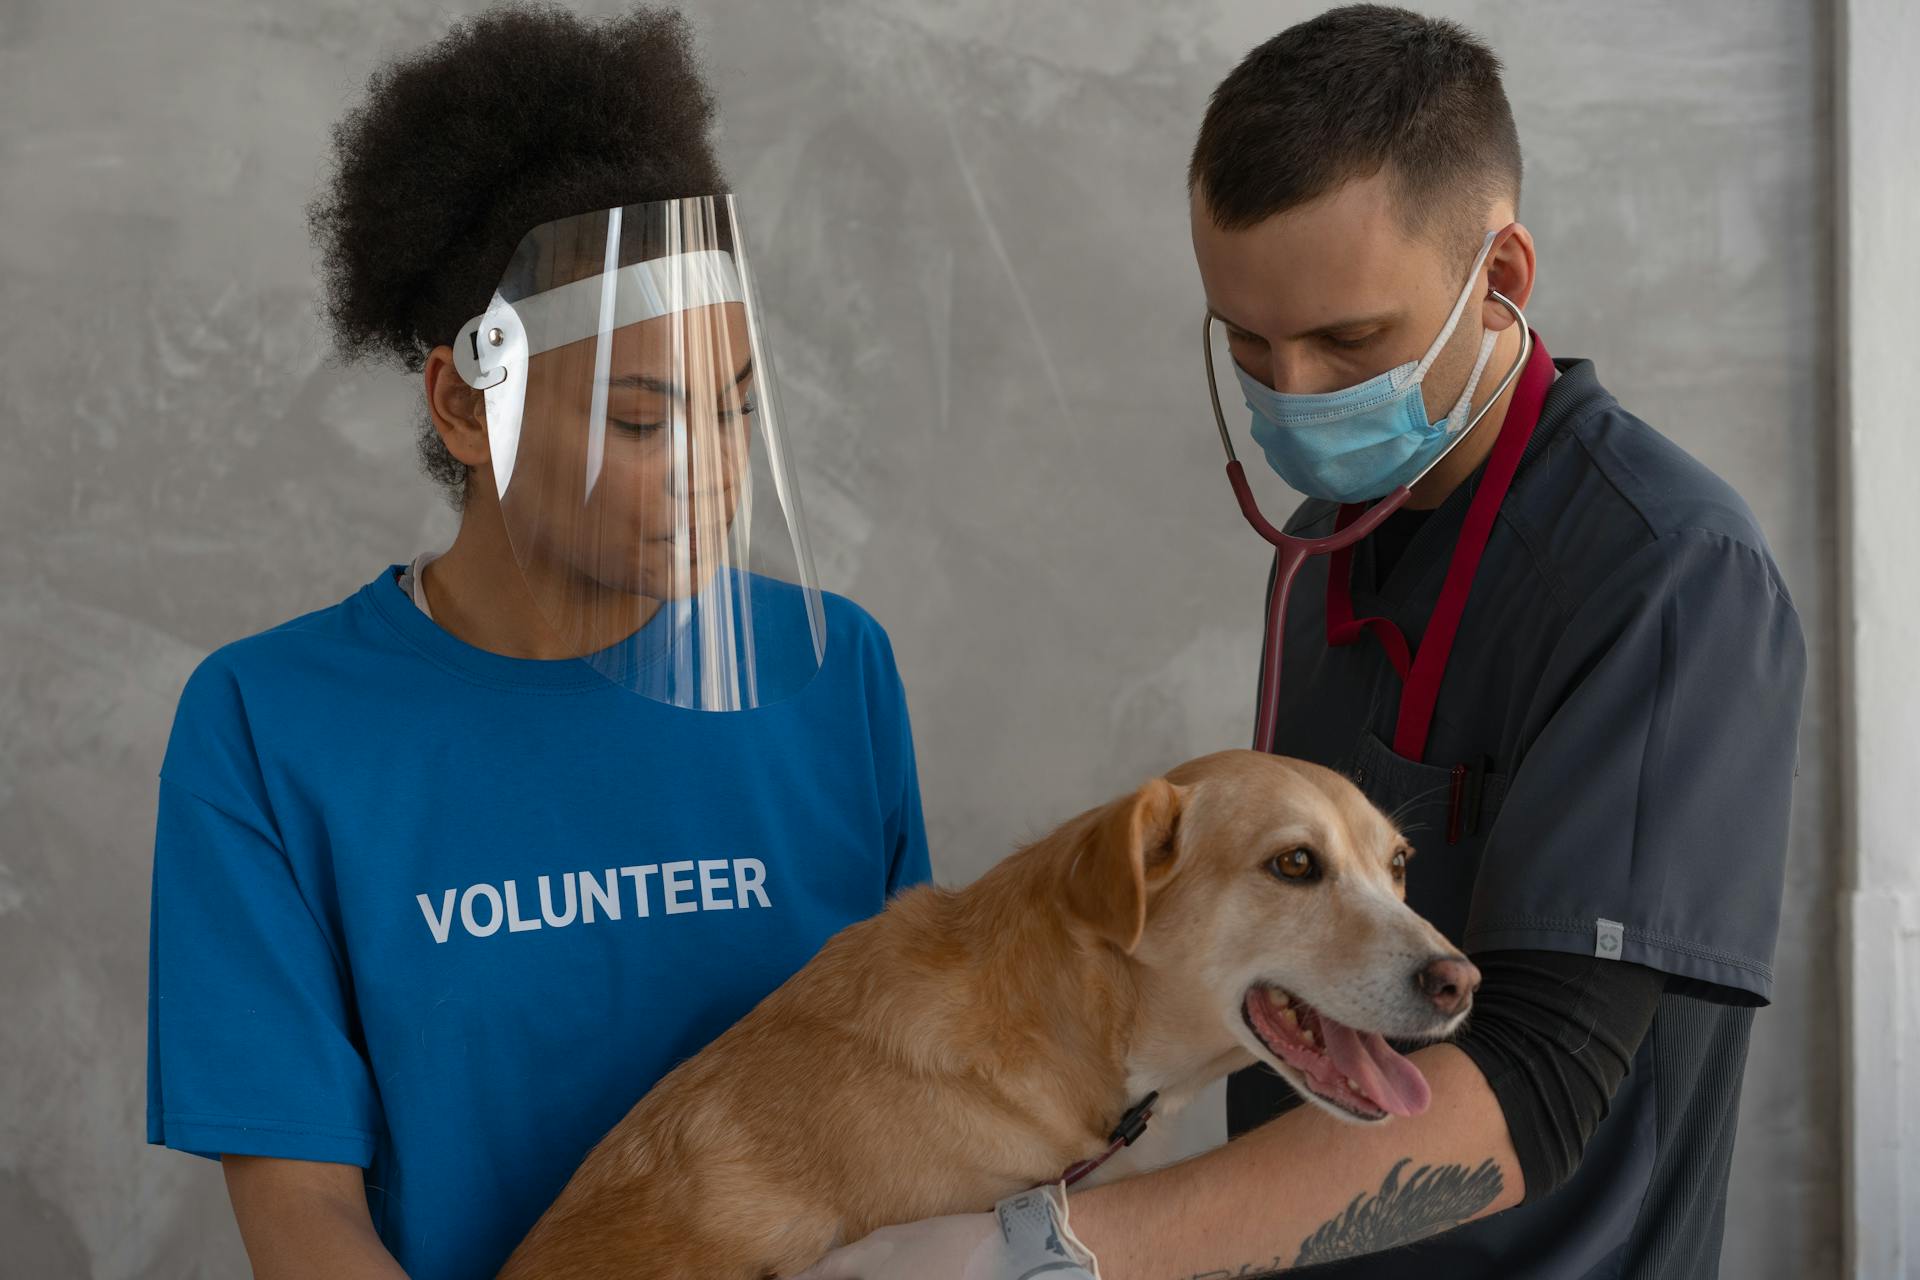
(557, 675)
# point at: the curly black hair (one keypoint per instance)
(522, 115)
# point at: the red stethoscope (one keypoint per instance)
(1421, 672)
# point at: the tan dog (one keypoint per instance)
(964, 1045)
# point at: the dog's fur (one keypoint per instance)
(964, 1045)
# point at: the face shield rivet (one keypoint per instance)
(495, 337)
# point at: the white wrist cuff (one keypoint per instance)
(1037, 1234)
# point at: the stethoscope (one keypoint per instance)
(1292, 552)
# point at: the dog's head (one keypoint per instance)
(1262, 903)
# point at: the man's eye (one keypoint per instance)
(636, 428)
(1349, 344)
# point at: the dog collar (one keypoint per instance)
(1131, 1126)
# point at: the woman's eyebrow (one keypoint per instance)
(666, 386)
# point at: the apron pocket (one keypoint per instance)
(1420, 800)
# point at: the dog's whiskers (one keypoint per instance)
(1406, 806)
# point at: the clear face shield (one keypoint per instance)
(639, 455)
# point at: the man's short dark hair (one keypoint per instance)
(1345, 95)
(519, 116)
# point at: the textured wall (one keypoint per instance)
(986, 328)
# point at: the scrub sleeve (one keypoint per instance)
(1648, 820)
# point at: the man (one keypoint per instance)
(1596, 772)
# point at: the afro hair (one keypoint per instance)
(522, 115)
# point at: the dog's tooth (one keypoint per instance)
(1293, 1019)
(1282, 999)
(1306, 1033)
(1353, 1085)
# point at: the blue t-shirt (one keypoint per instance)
(447, 915)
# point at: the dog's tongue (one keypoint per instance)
(1394, 1084)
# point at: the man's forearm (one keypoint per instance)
(1309, 1188)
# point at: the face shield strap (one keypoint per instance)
(508, 334)
(490, 343)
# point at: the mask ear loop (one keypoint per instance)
(1519, 363)
(1459, 308)
(1465, 402)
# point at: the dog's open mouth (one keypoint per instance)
(1356, 1071)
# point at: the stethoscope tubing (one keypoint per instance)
(1291, 552)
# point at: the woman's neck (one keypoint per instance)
(478, 592)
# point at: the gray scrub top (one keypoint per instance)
(1626, 686)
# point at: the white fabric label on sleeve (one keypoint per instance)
(1608, 937)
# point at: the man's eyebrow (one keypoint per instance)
(666, 386)
(1348, 325)
(1231, 324)
(1344, 325)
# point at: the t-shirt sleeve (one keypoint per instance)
(907, 834)
(897, 775)
(1647, 820)
(251, 1044)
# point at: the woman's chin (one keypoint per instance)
(665, 579)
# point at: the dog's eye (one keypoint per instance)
(1399, 864)
(1295, 864)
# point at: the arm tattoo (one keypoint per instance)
(1429, 1201)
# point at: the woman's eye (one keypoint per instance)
(1294, 864)
(636, 428)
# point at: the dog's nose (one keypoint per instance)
(1448, 982)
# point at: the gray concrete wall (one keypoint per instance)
(986, 325)
(1877, 44)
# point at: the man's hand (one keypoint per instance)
(1026, 1236)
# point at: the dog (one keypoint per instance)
(967, 1044)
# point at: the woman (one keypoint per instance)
(448, 874)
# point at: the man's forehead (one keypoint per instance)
(1345, 254)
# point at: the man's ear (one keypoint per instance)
(1121, 854)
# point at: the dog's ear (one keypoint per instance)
(1120, 855)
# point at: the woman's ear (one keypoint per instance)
(1121, 854)
(458, 411)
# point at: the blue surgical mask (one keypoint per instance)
(1368, 440)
